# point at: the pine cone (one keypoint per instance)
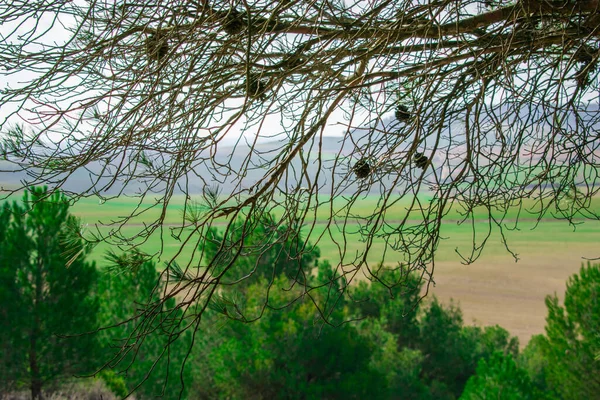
(402, 113)
(362, 169)
(234, 23)
(421, 161)
(156, 47)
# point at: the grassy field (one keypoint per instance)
(455, 236)
(493, 290)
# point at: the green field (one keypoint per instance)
(548, 233)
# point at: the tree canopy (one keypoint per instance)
(470, 105)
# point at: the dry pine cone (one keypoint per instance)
(402, 113)
(234, 23)
(421, 161)
(362, 169)
(156, 47)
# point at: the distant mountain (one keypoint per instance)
(233, 156)
(230, 159)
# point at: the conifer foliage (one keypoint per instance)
(45, 296)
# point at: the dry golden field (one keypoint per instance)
(496, 290)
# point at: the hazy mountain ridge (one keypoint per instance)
(12, 176)
(230, 158)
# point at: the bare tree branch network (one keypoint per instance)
(476, 106)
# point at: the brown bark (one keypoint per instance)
(36, 381)
(34, 368)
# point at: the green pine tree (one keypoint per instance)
(499, 377)
(573, 338)
(149, 365)
(45, 294)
